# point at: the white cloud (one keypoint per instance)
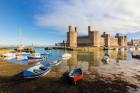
(104, 15)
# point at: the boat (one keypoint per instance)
(36, 71)
(122, 48)
(132, 49)
(108, 48)
(106, 59)
(35, 56)
(48, 48)
(66, 56)
(9, 55)
(136, 56)
(76, 75)
(55, 62)
(116, 49)
(46, 54)
(22, 55)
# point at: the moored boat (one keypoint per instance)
(48, 48)
(55, 62)
(35, 56)
(108, 48)
(136, 56)
(106, 59)
(66, 56)
(122, 48)
(75, 75)
(9, 55)
(36, 71)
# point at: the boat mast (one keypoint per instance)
(20, 41)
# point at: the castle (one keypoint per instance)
(94, 39)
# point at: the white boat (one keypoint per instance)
(35, 56)
(116, 49)
(138, 48)
(132, 48)
(122, 49)
(9, 55)
(106, 59)
(55, 62)
(36, 71)
(66, 56)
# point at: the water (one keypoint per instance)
(82, 59)
(122, 65)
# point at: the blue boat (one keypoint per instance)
(36, 71)
(136, 56)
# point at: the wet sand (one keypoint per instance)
(99, 80)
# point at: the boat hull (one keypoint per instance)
(136, 56)
(30, 58)
(36, 71)
(76, 75)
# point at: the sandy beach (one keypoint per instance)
(99, 80)
(2, 51)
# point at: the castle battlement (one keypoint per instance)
(94, 39)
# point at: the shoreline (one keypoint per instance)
(97, 81)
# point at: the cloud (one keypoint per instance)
(112, 16)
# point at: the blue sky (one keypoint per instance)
(18, 16)
(44, 22)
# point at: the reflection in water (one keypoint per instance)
(86, 60)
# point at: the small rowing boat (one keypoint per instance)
(36, 71)
(136, 56)
(75, 75)
(106, 59)
(55, 62)
(66, 56)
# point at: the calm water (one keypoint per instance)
(85, 60)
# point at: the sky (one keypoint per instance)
(44, 22)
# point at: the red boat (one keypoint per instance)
(76, 75)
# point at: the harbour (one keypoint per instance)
(122, 69)
(69, 46)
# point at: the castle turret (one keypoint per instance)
(107, 40)
(70, 28)
(96, 38)
(76, 29)
(89, 28)
(125, 41)
(72, 37)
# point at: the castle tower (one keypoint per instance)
(107, 40)
(89, 28)
(122, 41)
(72, 37)
(125, 41)
(94, 37)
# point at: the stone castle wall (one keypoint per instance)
(113, 42)
(83, 41)
(94, 39)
